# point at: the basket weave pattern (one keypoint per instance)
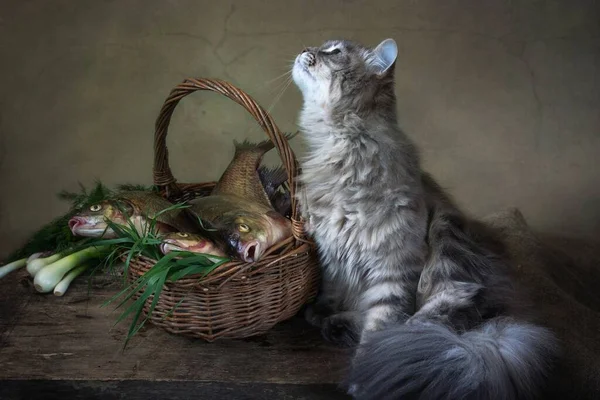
(237, 299)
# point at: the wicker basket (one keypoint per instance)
(237, 299)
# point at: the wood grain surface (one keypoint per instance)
(70, 344)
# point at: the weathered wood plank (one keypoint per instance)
(144, 390)
(70, 338)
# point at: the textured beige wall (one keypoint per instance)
(502, 96)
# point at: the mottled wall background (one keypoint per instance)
(502, 96)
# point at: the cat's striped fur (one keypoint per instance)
(407, 276)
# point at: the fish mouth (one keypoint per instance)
(252, 251)
(81, 227)
(75, 222)
(169, 245)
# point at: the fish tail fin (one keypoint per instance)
(260, 147)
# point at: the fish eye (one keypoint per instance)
(96, 207)
(183, 235)
(244, 228)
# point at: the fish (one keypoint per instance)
(138, 206)
(239, 207)
(248, 228)
(194, 243)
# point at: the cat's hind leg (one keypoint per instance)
(383, 303)
(388, 301)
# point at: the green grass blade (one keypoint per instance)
(172, 310)
(110, 242)
(142, 280)
(190, 270)
(150, 288)
(157, 289)
(139, 307)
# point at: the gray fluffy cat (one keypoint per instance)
(407, 277)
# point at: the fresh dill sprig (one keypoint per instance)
(56, 236)
(83, 198)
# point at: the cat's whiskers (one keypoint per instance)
(285, 74)
(280, 88)
(287, 84)
(280, 85)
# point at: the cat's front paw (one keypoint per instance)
(315, 313)
(341, 330)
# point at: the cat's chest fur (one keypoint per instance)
(353, 202)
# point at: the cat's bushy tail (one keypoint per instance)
(503, 359)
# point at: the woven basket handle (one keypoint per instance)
(163, 178)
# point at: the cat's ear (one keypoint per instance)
(384, 56)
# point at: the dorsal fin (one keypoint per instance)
(272, 178)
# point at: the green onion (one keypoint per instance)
(13, 266)
(34, 266)
(47, 278)
(63, 285)
(36, 255)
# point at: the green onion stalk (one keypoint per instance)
(13, 266)
(36, 264)
(62, 286)
(18, 264)
(51, 274)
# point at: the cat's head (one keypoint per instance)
(343, 75)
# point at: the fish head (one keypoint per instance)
(248, 235)
(91, 221)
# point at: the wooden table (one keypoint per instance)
(67, 347)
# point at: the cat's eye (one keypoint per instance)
(331, 52)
